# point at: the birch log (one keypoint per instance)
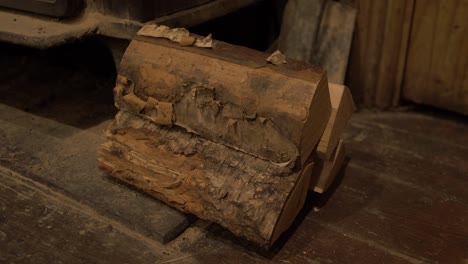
(228, 94)
(218, 132)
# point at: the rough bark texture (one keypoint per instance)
(241, 192)
(229, 95)
(219, 132)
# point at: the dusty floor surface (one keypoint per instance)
(402, 197)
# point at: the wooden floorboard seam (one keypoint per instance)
(390, 178)
(372, 125)
(68, 202)
(371, 243)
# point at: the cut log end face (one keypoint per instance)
(342, 109)
(327, 170)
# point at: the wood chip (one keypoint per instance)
(206, 42)
(155, 31)
(187, 41)
(179, 35)
(277, 58)
(134, 103)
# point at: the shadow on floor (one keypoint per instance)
(71, 84)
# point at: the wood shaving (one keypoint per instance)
(206, 42)
(179, 35)
(277, 58)
(174, 34)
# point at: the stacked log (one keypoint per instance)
(219, 132)
(330, 152)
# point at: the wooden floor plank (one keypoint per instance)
(38, 225)
(310, 242)
(65, 158)
(420, 124)
(423, 226)
(410, 159)
(423, 148)
(399, 168)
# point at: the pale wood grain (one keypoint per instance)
(342, 110)
(325, 171)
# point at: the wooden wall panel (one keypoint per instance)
(437, 66)
(378, 52)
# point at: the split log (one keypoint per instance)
(342, 109)
(219, 133)
(325, 172)
(229, 95)
(251, 197)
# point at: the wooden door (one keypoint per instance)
(436, 71)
